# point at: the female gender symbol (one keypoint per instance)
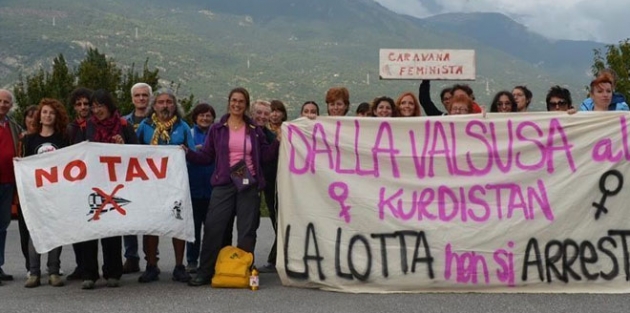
(338, 191)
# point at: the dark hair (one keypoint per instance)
(202, 108)
(61, 116)
(363, 108)
(277, 105)
(389, 100)
(79, 93)
(465, 88)
(30, 110)
(242, 91)
(102, 96)
(559, 92)
(310, 102)
(445, 91)
(494, 107)
(528, 93)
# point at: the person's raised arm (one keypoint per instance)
(424, 96)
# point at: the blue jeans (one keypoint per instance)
(6, 197)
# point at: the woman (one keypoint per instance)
(407, 105)
(523, 97)
(234, 141)
(337, 101)
(310, 110)
(49, 135)
(277, 116)
(384, 107)
(601, 92)
(203, 116)
(424, 95)
(106, 126)
(461, 104)
(363, 110)
(503, 102)
(30, 127)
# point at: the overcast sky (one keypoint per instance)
(601, 20)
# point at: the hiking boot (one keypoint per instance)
(55, 280)
(131, 265)
(268, 268)
(32, 281)
(180, 274)
(191, 268)
(152, 273)
(113, 283)
(87, 284)
(75, 275)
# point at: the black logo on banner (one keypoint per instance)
(601, 206)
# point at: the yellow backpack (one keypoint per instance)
(233, 268)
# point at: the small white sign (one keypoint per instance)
(427, 64)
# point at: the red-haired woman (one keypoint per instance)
(407, 105)
(50, 121)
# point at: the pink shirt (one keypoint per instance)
(236, 148)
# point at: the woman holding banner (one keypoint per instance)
(238, 148)
(601, 92)
(407, 105)
(384, 107)
(338, 101)
(503, 102)
(310, 110)
(50, 121)
(106, 126)
(523, 97)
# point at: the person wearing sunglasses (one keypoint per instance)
(558, 99)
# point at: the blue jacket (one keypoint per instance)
(198, 175)
(216, 149)
(180, 134)
(617, 103)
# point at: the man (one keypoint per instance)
(80, 101)
(141, 93)
(164, 126)
(9, 138)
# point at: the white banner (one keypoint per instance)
(427, 64)
(94, 190)
(532, 202)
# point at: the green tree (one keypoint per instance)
(96, 71)
(616, 57)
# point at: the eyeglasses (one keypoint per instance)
(82, 103)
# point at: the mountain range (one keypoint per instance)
(292, 50)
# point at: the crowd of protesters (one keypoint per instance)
(248, 134)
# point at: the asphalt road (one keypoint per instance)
(168, 296)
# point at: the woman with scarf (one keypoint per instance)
(106, 126)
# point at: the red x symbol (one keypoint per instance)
(108, 199)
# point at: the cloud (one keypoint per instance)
(603, 21)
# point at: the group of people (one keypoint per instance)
(245, 141)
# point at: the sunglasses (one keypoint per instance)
(560, 103)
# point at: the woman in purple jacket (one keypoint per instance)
(235, 145)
